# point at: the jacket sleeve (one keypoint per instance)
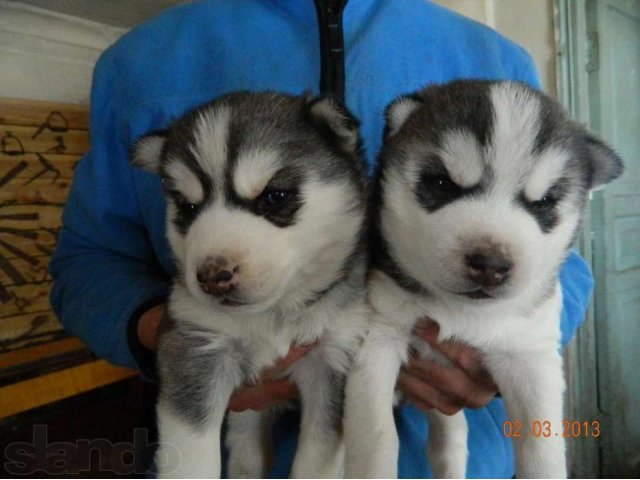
(104, 267)
(575, 276)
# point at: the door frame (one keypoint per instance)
(576, 62)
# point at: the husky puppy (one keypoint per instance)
(266, 200)
(481, 189)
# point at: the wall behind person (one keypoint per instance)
(529, 23)
(49, 55)
(45, 55)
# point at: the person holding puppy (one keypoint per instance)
(112, 266)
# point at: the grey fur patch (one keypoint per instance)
(557, 128)
(382, 260)
(334, 412)
(196, 378)
(349, 285)
(461, 105)
(282, 123)
(591, 162)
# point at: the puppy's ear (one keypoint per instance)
(606, 164)
(335, 123)
(398, 111)
(147, 151)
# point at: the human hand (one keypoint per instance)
(270, 390)
(466, 383)
(148, 326)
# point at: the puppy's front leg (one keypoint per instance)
(370, 432)
(532, 386)
(320, 452)
(187, 448)
(447, 447)
(249, 443)
(197, 377)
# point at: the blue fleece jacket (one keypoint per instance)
(113, 255)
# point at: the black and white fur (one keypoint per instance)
(266, 197)
(481, 188)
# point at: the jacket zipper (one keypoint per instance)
(332, 76)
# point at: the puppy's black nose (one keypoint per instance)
(215, 276)
(488, 270)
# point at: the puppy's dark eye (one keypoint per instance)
(274, 198)
(440, 183)
(545, 203)
(184, 206)
(436, 191)
(278, 205)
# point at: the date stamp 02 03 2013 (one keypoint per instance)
(544, 429)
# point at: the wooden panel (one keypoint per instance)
(29, 271)
(34, 354)
(28, 329)
(26, 298)
(17, 140)
(39, 191)
(56, 334)
(18, 242)
(32, 113)
(30, 217)
(30, 166)
(55, 386)
(40, 146)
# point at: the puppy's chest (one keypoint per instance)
(488, 328)
(266, 345)
(263, 339)
(480, 328)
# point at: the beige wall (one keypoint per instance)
(34, 46)
(46, 55)
(527, 22)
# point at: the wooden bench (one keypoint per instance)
(40, 145)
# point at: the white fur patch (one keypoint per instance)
(462, 156)
(186, 182)
(399, 112)
(147, 151)
(253, 172)
(211, 136)
(185, 451)
(515, 129)
(327, 110)
(546, 172)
